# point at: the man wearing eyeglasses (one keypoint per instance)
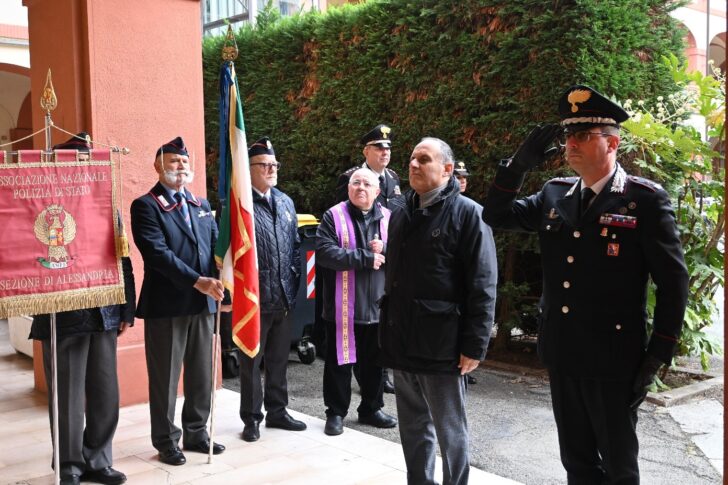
(602, 236)
(277, 244)
(350, 252)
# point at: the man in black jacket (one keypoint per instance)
(437, 312)
(87, 379)
(350, 250)
(277, 244)
(602, 235)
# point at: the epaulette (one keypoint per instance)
(351, 170)
(563, 180)
(646, 183)
(392, 173)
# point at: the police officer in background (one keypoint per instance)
(462, 174)
(602, 236)
(377, 153)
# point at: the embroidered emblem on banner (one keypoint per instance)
(55, 228)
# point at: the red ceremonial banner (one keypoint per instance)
(57, 234)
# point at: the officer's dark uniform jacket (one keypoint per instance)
(175, 256)
(90, 320)
(390, 195)
(276, 231)
(595, 270)
(440, 285)
(330, 257)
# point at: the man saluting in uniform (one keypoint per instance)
(602, 235)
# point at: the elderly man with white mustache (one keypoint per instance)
(175, 233)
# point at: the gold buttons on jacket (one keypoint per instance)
(564, 309)
(567, 284)
(570, 259)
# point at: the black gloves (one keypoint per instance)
(534, 149)
(643, 380)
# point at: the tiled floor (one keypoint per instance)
(280, 457)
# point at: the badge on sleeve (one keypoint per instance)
(613, 249)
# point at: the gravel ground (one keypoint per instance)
(512, 433)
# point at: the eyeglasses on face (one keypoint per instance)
(361, 183)
(579, 136)
(268, 165)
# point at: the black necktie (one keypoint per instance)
(587, 195)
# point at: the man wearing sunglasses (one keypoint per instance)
(279, 260)
(602, 236)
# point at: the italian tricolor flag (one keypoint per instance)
(235, 249)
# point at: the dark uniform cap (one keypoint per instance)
(176, 146)
(380, 136)
(581, 107)
(78, 142)
(261, 147)
(461, 171)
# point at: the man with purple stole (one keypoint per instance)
(350, 250)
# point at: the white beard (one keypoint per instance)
(170, 177)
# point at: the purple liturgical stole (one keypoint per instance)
(345, 289)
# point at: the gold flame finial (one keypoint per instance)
(578, 96)
(230, 47)
(48, 100)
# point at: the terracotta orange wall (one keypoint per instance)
(130, 73)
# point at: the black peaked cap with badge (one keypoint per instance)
(80, 142)
(380, 135)
(176, 146)
(261, 147)
(581, 107)
(460, 170)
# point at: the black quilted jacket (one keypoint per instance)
(277, 243)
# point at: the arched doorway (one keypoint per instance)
(15, 106)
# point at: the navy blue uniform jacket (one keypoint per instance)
(595, 270)
(174, 256)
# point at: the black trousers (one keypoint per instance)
(597, 430)
(275, 344)
(337, 378)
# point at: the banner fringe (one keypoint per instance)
(61, 301)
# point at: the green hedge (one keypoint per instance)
(476, 73)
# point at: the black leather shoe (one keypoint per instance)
(204, 447)
(388, 387)
(106, 475)
(379, 419)
(284, 421)
(334, 425)
(251, 432)
(71, 480)
(172, 456)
